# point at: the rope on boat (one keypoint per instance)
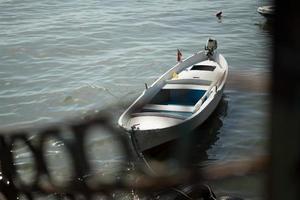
(182, 193)
(211, 193)
(138, 150)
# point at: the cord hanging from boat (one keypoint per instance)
(207, 193)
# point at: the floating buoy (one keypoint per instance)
(219, 14)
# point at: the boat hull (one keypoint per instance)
(147, 139)
(149, 129)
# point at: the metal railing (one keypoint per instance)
(72, 147)
(70, 144)
(43, 180)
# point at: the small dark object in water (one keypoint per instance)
(219, 14)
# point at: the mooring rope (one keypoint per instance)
(143, 158)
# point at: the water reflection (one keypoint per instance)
(206, 135)
(266, 26)
(24, 162)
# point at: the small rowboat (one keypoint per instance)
(179, 101)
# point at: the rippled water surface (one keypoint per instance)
(63, 58)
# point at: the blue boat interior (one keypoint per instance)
(178, 97)
(171, 113)
(184, 97)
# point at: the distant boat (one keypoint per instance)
(266, 11)
(179, 101)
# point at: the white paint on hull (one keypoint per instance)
(157, 123)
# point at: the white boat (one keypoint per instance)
(179, 101)
(266, 11)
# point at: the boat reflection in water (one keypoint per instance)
(169, 157)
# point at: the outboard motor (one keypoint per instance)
(210, 46)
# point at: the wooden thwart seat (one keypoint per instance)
(189, 81)
(175, 108)
(159, 114)
(185, 86)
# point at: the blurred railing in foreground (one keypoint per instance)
(71, 145)
(71, 139)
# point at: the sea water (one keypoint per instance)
(62, 59)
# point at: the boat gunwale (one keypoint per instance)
(220, 82)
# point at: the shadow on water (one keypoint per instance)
(199, 141)
(266, 26)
